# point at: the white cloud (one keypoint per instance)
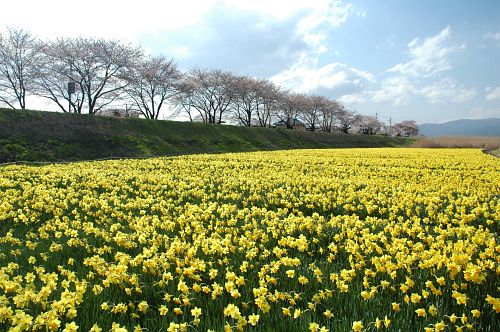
(400, 91)
(128, 20)
(147, 23)
(493, 93)
(427, 57)
(492, 36)
(321, 15)
(447, 90)
(333, 13)
(311, 21)
(306, 76)
(353, 99)
(482, 112)
(396, 91)
(108, 19)
(318, 12)
(362, 75)
(275, 9)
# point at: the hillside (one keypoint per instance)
(465, 127)
(47, 136)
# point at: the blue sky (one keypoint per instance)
(431, 61)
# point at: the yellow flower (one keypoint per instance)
(421, 312)
(196, 312)
(54, 324)
(313, 327)
(297, 313)
(433, 310)
(232, 311)
(387, 322)
(394, 214)
(95, 328)
(328, 314)
(182, 287)
(212, 273)
(143, 306)
(285, 311)
(439, 326)
(357, 326)
(235, 293)
(303, 280)
(494, 302)
(459, 297)
(441, 281)
(378, 323)
(253, 319)
(70, 327)
(476, 313)
(71, 313)
(415, 298)
(97, 289)
(167, 276)
(366, 295)
(163, 310)
(119, 308)
(404, 288)
(115, 327)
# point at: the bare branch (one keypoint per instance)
(19, 53)
(152, 81)
(100, 71)
(208, 92)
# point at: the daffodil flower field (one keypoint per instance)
(304, 240)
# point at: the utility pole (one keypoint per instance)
(376, 116)
(390, 126)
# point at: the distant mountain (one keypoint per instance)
(465, 127)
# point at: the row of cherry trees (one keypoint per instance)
(107, 74)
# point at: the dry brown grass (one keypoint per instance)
(486, 143)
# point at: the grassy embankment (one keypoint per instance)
(45, 136)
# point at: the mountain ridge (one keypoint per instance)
(462, 127)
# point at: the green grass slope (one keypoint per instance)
(46, 136)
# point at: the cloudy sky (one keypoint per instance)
(427, 60)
